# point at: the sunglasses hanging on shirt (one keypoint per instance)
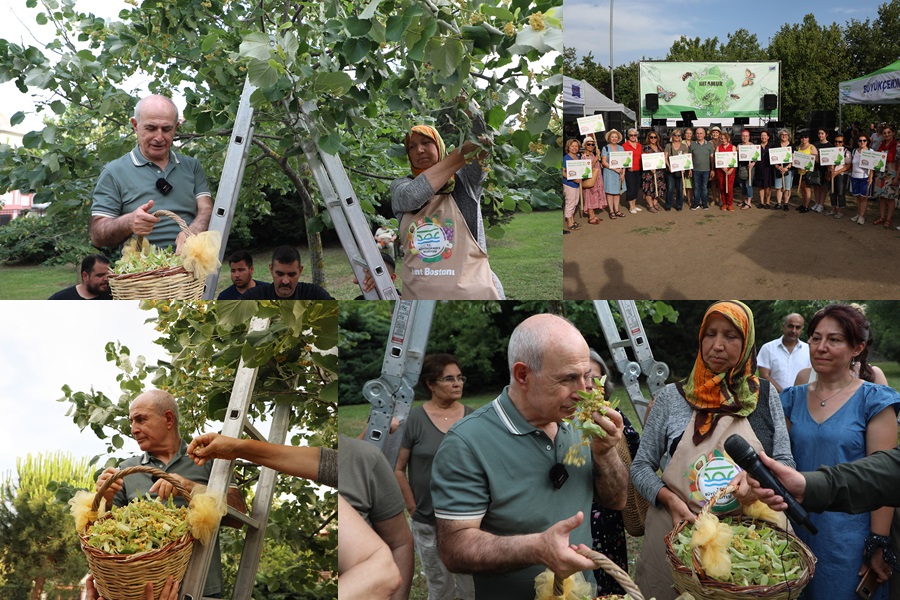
(163, 186)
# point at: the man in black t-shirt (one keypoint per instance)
(286, 269)
(94, 281)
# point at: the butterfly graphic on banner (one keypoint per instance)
(665, 95)
(749, 77)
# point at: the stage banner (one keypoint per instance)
(709, 89)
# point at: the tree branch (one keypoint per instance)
(372, 175)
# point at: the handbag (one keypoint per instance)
(743, 173)
(813, 178)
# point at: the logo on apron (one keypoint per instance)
(709, 473)
(430, 239)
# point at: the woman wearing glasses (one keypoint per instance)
(653, 182)
(860, 180)
(633, 173)
(886, 182)
(685, 434)
(425, 429)
(594, 194)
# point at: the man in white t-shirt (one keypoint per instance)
(780, 360)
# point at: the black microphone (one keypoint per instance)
(747, 458)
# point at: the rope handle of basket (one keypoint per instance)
(139, 469)
(178, 220)
(614, 570)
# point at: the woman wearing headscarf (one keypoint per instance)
(439, 211)
(686, 430)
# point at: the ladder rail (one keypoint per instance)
(391, 395)
(232, 176)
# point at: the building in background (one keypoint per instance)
(13, 203)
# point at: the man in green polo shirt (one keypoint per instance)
(150, 176)
(154, 425)
(505, 502)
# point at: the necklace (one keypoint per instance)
(822, 403)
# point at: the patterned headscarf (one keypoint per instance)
(430, 132)
(735, 392)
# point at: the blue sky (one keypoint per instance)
(647, 28)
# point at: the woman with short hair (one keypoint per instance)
(633, 174)
(613, 179)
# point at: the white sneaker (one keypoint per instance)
(818, 208)
(838, 215)
(854, 218)
(638, 209)
(828, 212)
(633, 211)
(862, 221)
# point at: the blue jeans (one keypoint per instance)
(747, 188)
(701, 188)
(673, 186)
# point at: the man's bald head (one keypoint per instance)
(159, 401)
(531, 338)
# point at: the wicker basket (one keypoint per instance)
(634, 514)
(171, 283)
(603, 562)
(124, 576)
(691, 578)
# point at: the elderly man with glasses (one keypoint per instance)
(512, 482)
(150, 176)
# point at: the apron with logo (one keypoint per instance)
(442, 259)
(694, 473)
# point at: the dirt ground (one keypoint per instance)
(749, 254)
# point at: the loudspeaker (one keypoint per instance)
(770, 102)
(822, 119)
(651, 101)
(615, 120)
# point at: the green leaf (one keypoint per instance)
(256, 45)
(17, 118)
(329, 392)
(32, 139)
(369, 11)
(335, 82)
(447, 56)
(397, 104)
(358, 27)
(331, 143)
(326, 361)
(495, 233)
(356, 49)
(496, 11)
(537, 123)
(203, 122)
(41, 19)
(236, 312)
(495, 118)
(396, 26)
(262, 73)
(209, 41)
(117, 441)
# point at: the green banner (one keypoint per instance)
(709, 89)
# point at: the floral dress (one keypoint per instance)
(594, 197)
(883, 184)
(658, 190)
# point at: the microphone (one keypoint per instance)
(747, 458)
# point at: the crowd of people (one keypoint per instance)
(748, 184)
(493, 502)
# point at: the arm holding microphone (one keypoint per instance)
(854, 487)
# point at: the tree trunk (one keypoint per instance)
(38, 587)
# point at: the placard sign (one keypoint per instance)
(726, 160)
(872, 159)
(749, 153)
(831, 156)
(578, 169)
(590, 124)
(801, 160)
(780, 155)
(620, 160)
(653, 161)
(681, 162)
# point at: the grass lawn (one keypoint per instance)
(528, 261)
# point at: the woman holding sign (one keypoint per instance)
(613, 178)
(675, 179)
(860, 180)
(653, 181)
(783, 175)
(805, 190)
(571, 187)
(594, 194)
(886, 181)
(633, 173)
(764, 172)
(745, 172)
(725, 173)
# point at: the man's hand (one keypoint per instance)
(744, 492)
(614, 426)
(555, 551)
(792, 480)
(208, 446)
(368, 281)
(164, 489)
(142, 221)
(115, 487)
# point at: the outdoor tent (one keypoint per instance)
(581, 99)
(879, 87)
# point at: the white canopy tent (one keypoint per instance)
(879, 87)
(582, 99)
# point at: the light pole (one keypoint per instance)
(612, 77)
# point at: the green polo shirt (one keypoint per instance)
(495, 466)
(701, 155)
(129, 182)
(138, 484)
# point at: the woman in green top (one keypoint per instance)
(424, 431)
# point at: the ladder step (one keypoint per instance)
(254, 432)
(246, 520)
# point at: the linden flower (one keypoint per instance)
(537, 21)
(509, 29)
